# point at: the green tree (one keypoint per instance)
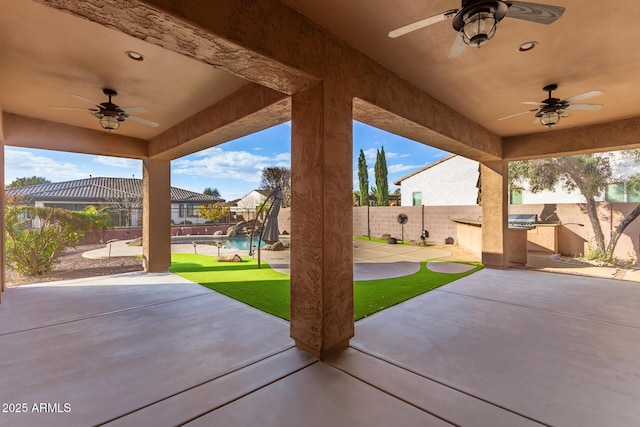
(32, 251)
(213, 211)
(588, 173)
(382, 183)
(356, 198)
(363, 180)
(211, 192)
(23, 182)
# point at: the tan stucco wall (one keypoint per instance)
(543, 238)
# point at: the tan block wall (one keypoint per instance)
(437, 220)
(571, 237)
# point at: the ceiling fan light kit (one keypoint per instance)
(550, 118)
(479, 23)
(109, 123)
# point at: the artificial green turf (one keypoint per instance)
(371, 296)
(268, 290)
(264, 288)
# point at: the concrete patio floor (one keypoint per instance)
(497, 348)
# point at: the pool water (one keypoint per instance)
(236, 243)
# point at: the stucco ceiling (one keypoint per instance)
(591, 47)
(46, 54)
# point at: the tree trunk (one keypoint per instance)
(592, 212)
(620, 229)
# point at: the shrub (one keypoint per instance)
(33, 251)
(593, 253)
(98, 221)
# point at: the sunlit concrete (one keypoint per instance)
(497, 348)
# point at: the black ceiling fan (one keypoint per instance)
(476, 20)
(110, 114)
(552, 109)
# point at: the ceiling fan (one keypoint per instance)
(476, 21)
(551, 109)
(109, 114)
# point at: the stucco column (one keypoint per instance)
(495, 208)
(156, 215)
(2, 279)
(321, 220)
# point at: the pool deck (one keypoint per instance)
(370, 260)
(376, 261)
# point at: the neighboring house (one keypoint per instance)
(453, 181)
(121, 196)
(247, 207)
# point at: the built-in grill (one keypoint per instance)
(524, 221)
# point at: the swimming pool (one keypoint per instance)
(240, 243)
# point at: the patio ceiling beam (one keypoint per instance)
(617, 135)
(250, 109)
(163, 23)
(421, 129)
(284, 51)
(27, 132)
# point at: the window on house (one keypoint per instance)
(633, 196)
(615, 193)
(515, 196)
(417, 198)
(192, 211)
(181, 210)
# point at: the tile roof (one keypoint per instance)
(99, 189)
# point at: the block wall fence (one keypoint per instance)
(573, 235)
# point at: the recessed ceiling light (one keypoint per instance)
(527, 46)
(134, 55)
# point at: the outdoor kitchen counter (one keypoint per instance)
(469, 232)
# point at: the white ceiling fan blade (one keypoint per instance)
(459, 47)
(423, 23)
(518, 114)
(582, 96)
(534, 12)
(586, 107)
(143, 121)
(134, 110)
(539, 104)
(88, 101)
(75, 108)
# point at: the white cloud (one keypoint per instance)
(217, 163)
(19, 164)
(402, 168)
(371, 153)
(117, 162)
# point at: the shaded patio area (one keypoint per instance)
(499, 348)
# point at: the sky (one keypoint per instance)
(234, 168)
